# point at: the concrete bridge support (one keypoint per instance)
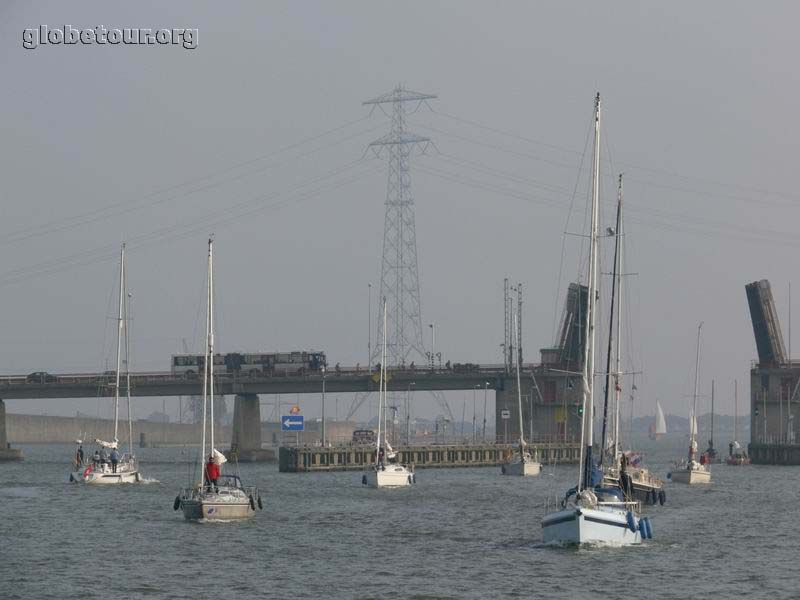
(246, 434)
(6, 451)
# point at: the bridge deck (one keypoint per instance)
(342, 380)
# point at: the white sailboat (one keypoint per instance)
(590, 514)
(109, 468)
(691, 471)
(522, 463)
(386, 471)
(214, 496)
(737, 456)
(621, 469)
(658, 428)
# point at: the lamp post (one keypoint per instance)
(475, 413)
(369, 328)
(485, 392)
(433, 343)
(408, 413)
(323, 406)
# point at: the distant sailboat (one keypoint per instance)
(386, 471)
(737, 455)
(711, 455)
(691, 471)
(658, 428)
(114, 469)
(522, 463)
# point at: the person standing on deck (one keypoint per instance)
(114, 460)
(212, 472)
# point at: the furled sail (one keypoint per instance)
(219, 457)
(105, 444)
(661, 422)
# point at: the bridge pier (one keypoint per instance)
(6, 451)
(246, 433)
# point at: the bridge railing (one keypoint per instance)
(107, 378)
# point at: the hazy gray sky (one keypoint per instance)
(161, 145)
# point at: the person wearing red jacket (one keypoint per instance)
(212, 473)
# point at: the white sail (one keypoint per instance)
(661, 422)
(219, 457)
(105, 444)
(692, 424)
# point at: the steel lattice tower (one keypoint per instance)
(399, 265)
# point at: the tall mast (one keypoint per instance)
(519, 393)
(618, 370)
(119, 338)
(613, 315)
(711, 441)
(211, 336)
(126, 319)
(588, 351)
(205, 370)
(692, 427)
(381, 392)
(735, 409)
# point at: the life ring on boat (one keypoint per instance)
(88, 470)
(662, 497)
(177, 504)
(252, 502)
(630, 520)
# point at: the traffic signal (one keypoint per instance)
(580, 409)
(756, 411)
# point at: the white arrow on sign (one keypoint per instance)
(289, 423)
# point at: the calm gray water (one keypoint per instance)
(460, 533)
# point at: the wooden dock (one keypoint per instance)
(311, 459)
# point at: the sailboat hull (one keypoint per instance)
(574, 525)
(104, 475)
(223, 506)
(393, 476)
(691, 477)
(524, 469)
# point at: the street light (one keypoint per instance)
(485, 392)
(323, 406)
(408, 413)
(369, 328)
(433, 343)
(475, 413)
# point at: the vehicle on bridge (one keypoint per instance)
(41, 377)
(363, 437)
(253, 364)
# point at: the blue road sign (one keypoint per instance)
(292, 423)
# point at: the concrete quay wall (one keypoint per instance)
(356, 458)
(46, 429)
